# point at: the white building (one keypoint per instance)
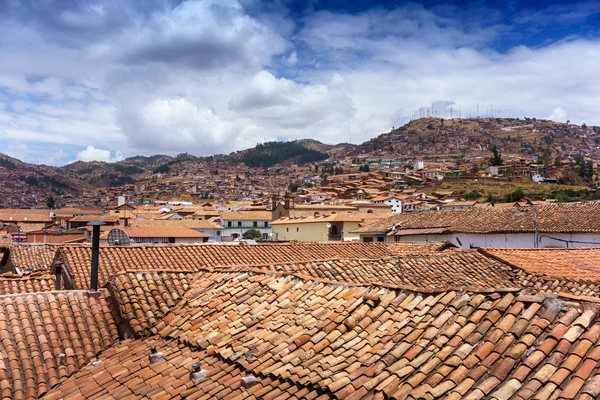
(236, 223)
(393, 201)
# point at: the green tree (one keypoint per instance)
(294, 187)
(51, 202)
(515, 196)
(473, 195)
(252, 234)
(496, 157)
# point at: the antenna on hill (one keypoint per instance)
(477, 110)
(459, 113)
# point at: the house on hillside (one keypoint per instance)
(392, 200)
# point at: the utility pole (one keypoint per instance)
(536, 230)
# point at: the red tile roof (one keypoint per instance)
(30, 283)
(127, 373)
(145, 297)
(32, 257)
(115, 259)
(573, 264)
(35, 329)
(186, 223)
(164, 232)
(552, 218)
(312, 339)
(449, 270)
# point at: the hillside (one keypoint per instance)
(438, 138)
(102, 174)
(272, 153)
(339, 149)
(28, 185)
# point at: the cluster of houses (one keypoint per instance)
(370, 216)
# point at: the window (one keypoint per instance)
(229, 224)
(239, 224)
(287, 229)
(266, 224)
(297, 229)
(218, 233)
(255, 224)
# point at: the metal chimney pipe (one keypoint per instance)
(95, 253)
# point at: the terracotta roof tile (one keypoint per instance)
(30, 283)
(311, 339)
(186, 223)
(464, 269)
(32, 257)
(115, 259)
(35, 329)
(572, 217)
(574, 264)
(163, 231)
(145, 297)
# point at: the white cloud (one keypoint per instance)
(93, 154)
(558, 115)
(208, 77)
(293, 58)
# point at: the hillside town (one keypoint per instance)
(288, 200)
(545, 160)
(371, 275)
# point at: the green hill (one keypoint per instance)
(272, 153)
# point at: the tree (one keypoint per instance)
(496, 158)
(294, 187)
(51, 202)
(442, 121)
(252, 234)
(515, 196)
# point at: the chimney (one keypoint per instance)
(197, 373)
(155, 356)
(249, 380)
(95, 253)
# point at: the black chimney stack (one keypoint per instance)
(95, 253)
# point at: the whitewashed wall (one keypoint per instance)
(505, 240)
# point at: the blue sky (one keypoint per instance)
(107, 79)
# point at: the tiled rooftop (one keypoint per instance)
(163, 232)
(115, 259)
(32, 257)
(464, 270)
(145, 297)
(30, 283)
(312, 339)
(35, 329)
(127, 373)
(186, 223)
(571, 217)
(573, 264)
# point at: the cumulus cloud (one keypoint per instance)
(558, 115)
(167, 76)
(93, 154)
(179, 125)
